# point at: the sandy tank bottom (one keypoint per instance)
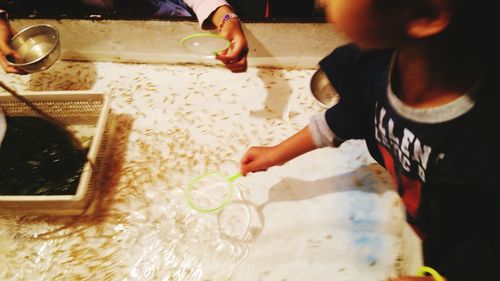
(327, 215)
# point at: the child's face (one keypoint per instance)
(365, 25)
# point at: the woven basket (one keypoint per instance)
(70, 108)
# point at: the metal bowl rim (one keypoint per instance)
(44, 55)
(320, 78)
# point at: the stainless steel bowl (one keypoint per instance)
(38, 47)
(323, 90)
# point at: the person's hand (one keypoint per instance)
(6, 32)
(235, 57)
(259, 158)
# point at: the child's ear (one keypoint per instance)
(431, 22)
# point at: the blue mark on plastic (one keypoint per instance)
(364, 215)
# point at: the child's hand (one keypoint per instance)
(259, 158)
(235, 57)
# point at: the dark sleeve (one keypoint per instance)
(352, 72)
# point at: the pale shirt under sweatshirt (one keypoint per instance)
(203, 9)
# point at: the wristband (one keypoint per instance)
(424, 270)
(225, 18)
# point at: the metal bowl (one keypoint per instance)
(38, 47)
(323, 90)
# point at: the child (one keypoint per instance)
(417, 85)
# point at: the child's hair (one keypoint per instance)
(474, 26)
(471, 32)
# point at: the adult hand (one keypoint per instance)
(6, 32)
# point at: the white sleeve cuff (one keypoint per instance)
(203, 9)
(322, 134)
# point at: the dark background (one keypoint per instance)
(248, 10)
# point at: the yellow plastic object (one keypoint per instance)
(205, 43)
(210, 192)
(425, 271)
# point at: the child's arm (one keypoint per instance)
(235, 58)
(219, 14)
(261, 158)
